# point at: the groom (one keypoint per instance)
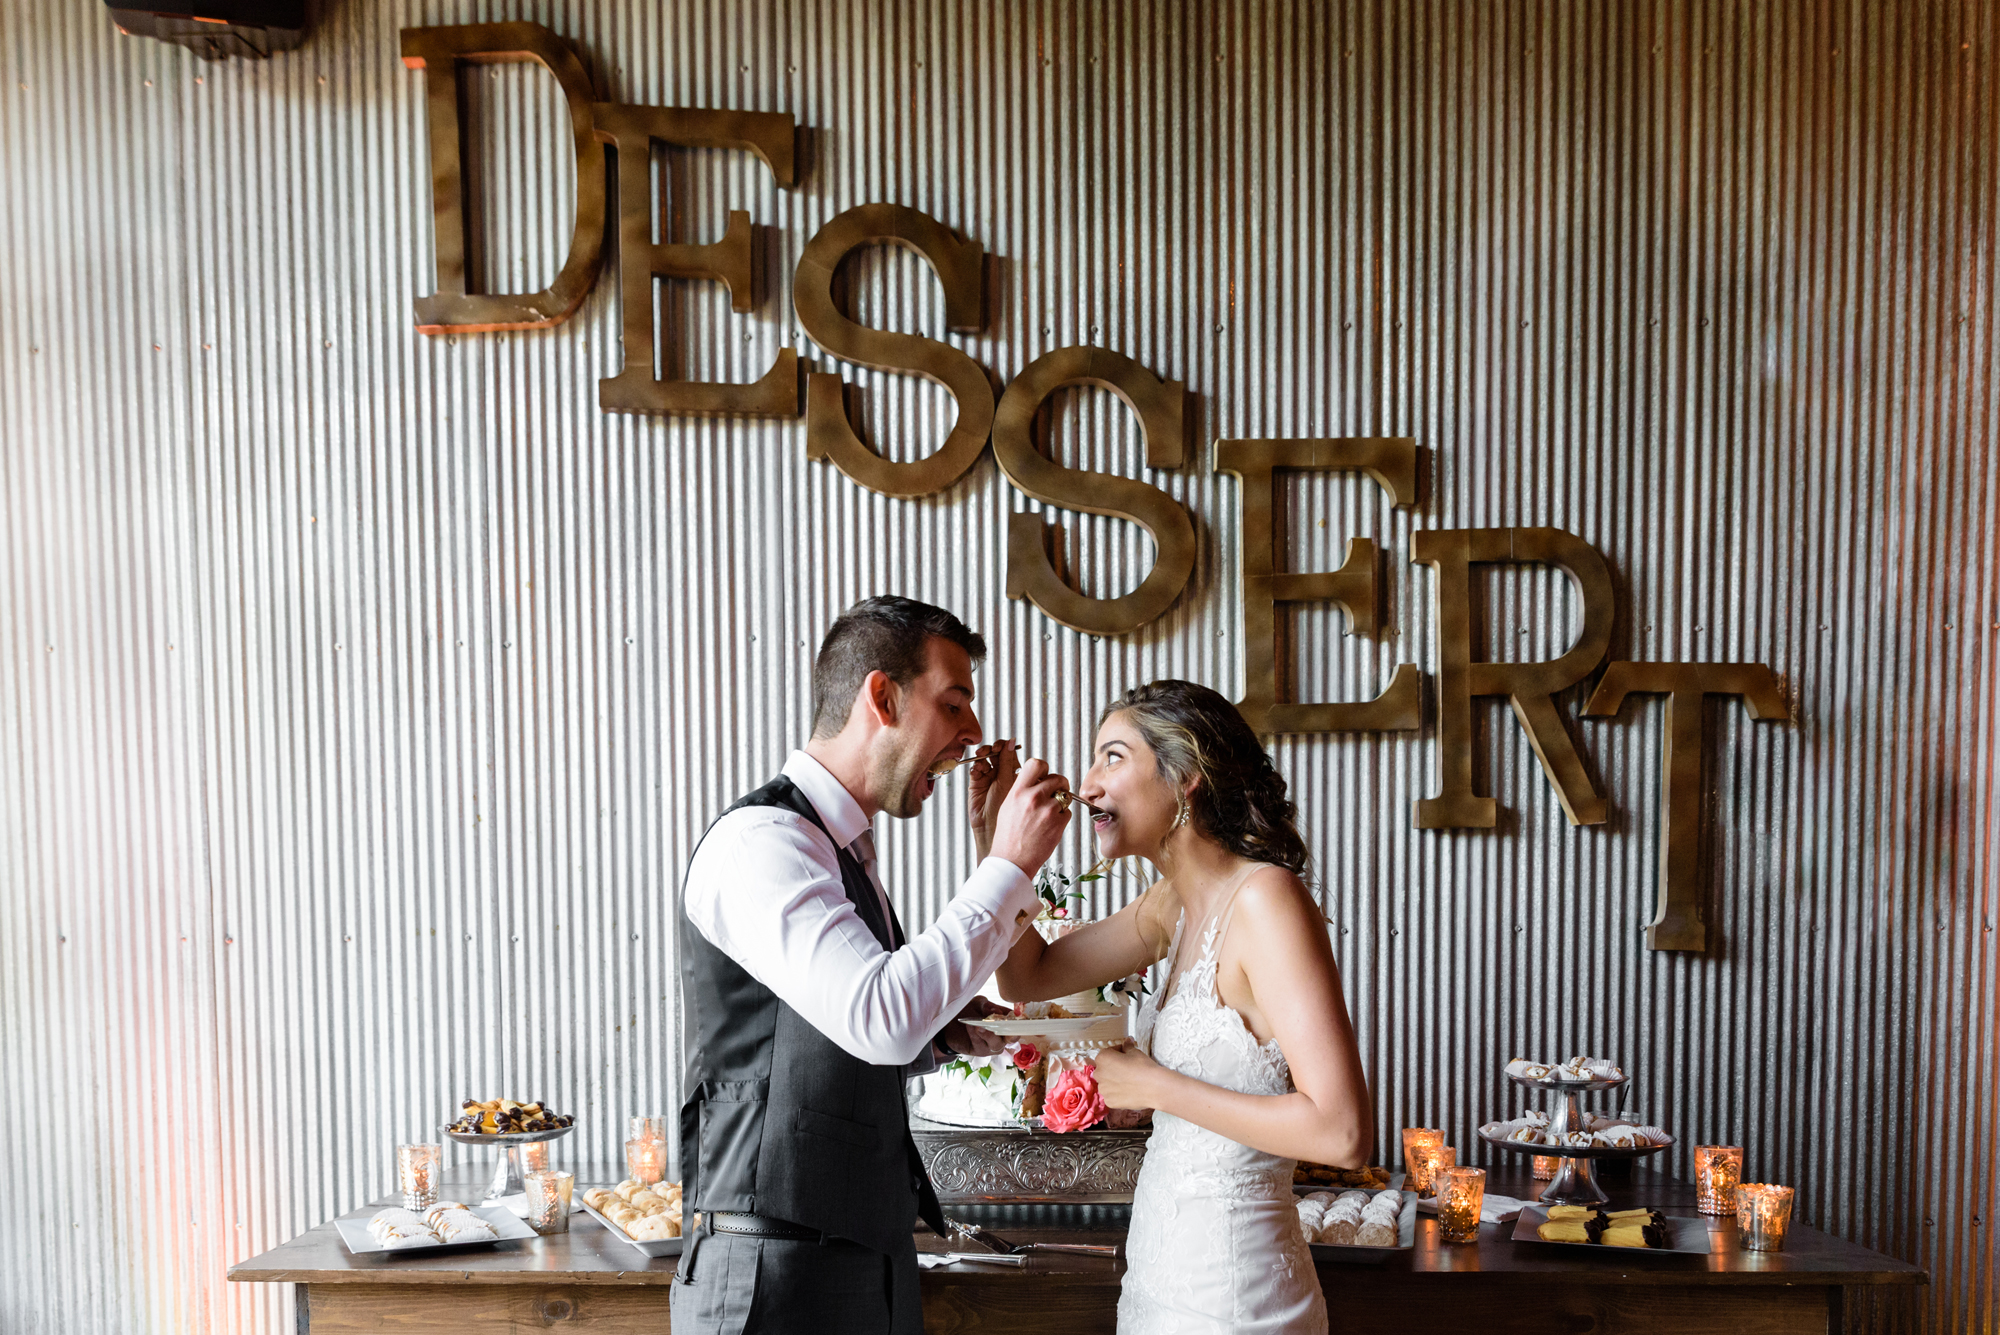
(809, 1006)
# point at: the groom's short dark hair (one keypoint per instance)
(885, 633)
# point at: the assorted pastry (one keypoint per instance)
(1597, 1132)
(643, 1213)
(1372, 1178)
(507, 1117)
(1352, 1219)
(1575, 1071)
(1639, 1227)
(446, 1222)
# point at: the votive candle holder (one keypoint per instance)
(646, 1128)
(548, 1199)
(1418, 1142)
(1437, 1158)
(646, 1160)
(534, 1156)
(1545, 1166)
(1717, 1170)
(417, 1169)
(1763, 1215)
(1460, 1192)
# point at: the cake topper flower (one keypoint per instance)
(1073, 1103)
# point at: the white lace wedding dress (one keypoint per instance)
(1215, 1243)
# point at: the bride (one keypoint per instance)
(1246, 1052)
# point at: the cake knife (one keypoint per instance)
(994, 1242)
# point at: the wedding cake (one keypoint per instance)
(1007, 1089)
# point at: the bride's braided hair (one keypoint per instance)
(1240, 802)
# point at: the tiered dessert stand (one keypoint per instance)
(1576, 1179)
(507, 1179)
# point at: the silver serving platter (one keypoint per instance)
(1688, 1236)
(507, 1178)
(1574, 1151)
(1010, 1164)
(1406, 1235)
(654, 1247)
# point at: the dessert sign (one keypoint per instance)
(1390, 464)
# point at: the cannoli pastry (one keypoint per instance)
(1617, 1137)
(465, 1226)
(1523, 1069)
(396, 1215)
(397, 1239)
(1578, 1138)
(1529, 1135)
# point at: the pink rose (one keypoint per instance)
(1026, 1055)
(1073, 1102)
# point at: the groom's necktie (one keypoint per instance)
(863, 849)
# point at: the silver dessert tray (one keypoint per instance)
(507, 1178)
(1576, 1180)
(1011, 1164)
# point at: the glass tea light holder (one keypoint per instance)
(1545, 1167)
(646, 1128)
(1717, 1170)
(548, 1199)
(1418, 1142)
(534, 1156)
(1763, 1216)
(1436, 1159)
(646, 1160)
(417, 1169)
(1460, 1192)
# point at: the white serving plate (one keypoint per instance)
(509, 1226)
(657, 1247)
(1689, 1237)
(1044, 1028)
(1406, 1236)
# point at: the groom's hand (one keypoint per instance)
(962, 1038)
(1031, 820)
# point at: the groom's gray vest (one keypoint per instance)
(778, 1120)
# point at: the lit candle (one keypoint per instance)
(1717, 1170)
(1460, 1192)
(548, 1199)
(417, 1174)
(1418, 1142)
(1763, 1214)
(646, 1160)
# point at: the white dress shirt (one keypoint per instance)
(765, 889)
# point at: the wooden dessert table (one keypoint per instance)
(589, 1280)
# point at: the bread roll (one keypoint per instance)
(653, 1228)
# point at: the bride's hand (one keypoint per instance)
(1125, 1077)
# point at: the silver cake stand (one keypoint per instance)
(1576, 1179)
(507, 1171)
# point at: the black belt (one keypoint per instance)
(759, 1226)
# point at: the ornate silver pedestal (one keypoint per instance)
(1003, 1164)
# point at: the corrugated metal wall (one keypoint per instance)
(362, 693)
